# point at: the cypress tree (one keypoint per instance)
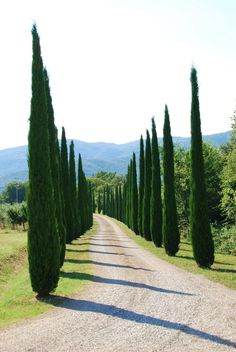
(94, 202)
(147, 190)
(170, 225)
(104, 209)
(134, 194)
(85, 208)
(120, 204)
(81, 197)
(43, 239)
(99, 204)
(200, 230)
(124, 197)
(156, 203)
(116, 202)
(128, 197)
(141, 186)
(56, 170)
(72, 186)
(66, 189)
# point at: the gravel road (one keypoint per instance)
(136, 302)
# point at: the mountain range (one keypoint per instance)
(96, 156)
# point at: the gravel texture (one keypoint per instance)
(136, 302)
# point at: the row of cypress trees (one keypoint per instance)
(57, 214)
(156, 219)
(77, 199)
(142, 206)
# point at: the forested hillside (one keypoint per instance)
(96, 156)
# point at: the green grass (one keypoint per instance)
(223, 270)
(17, 301)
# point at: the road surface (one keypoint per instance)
(136, 302)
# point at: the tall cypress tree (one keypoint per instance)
(147, 190)
(72, 186)
(56, 170)
(124, 197)
(127, 202)
(141, 186)
(104, 208)
(120, 204)
(84, 200)
(99, 203)
(66, 189)
(81, 197)
(43, 239)
(170, 225)
(202, 242)
(156, 203)
(134, 194)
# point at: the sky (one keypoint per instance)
(114, 64)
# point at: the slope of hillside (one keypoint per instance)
(96, 156)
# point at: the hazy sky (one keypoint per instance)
(113, 64)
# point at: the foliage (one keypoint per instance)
(182, 184)
(16, 298)
(147, 189)
(223, 270)
(141, 186)
(73, 195)
(3, 214)
(43, 239)
(84, 200)
(228, 177)
(15, 192)
(134, 196)
(225, 239)
(56, 170)
(203, 246)
(17, 214)
(171, 234)
(156, 201)
(213, 165)
(66, 188)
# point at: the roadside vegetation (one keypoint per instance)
(222, 271)
(17, 300)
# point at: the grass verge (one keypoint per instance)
(223, 270)
(17, 301)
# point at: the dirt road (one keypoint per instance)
(135, 303)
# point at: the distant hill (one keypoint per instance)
(96, 156)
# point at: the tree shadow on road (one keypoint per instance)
(120, 313)
(104, 280)
(105, 264)
(97, 252)
(110, 239)
(104, 245)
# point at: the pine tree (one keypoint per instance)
(134, 195)
(66, 189)
(202, 242)
(147, 190)
(73, 191)
(141, 186)
(156, 203)
(170, 225)
(43, 239)
(56, 170)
